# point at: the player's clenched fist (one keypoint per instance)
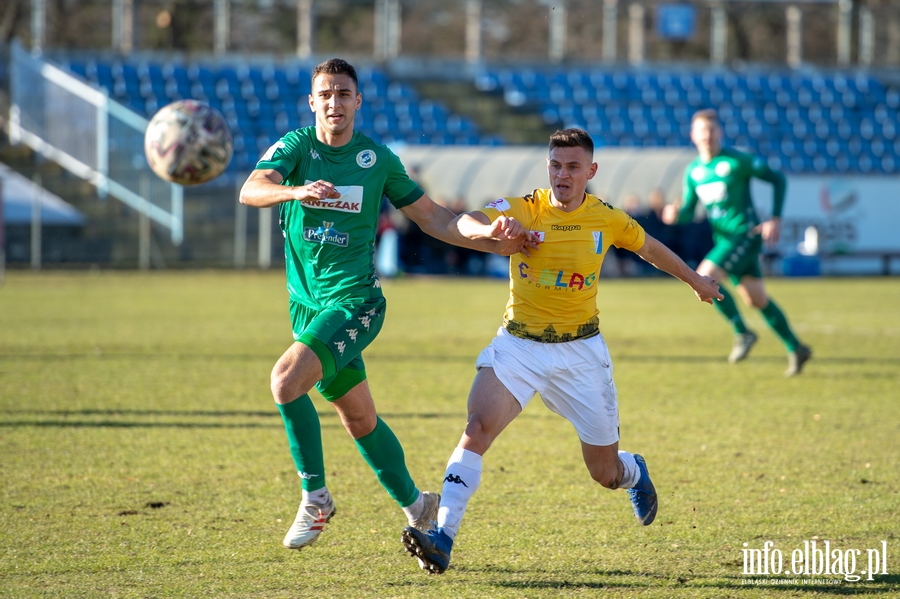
(505, 227)
(319, 190)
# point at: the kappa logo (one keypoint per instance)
(565, 227)
(352, 334)
(341, 346)
(366, 159)
(366, 321)
(723, 169)
(306, 475)
(455, 479)
(314, 155)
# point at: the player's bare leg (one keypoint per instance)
(491, 408)
(616, 469)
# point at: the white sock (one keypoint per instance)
(461, 480)
(414, 509)
(631, 473)
(319, 496)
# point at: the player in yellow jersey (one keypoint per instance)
(550, 341)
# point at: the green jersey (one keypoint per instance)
(329, 245)
(723, 185)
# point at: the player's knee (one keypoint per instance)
(280, 384)
(480, 434)
(759, 302)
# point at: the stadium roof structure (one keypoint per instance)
(18, 194)
(480, 174)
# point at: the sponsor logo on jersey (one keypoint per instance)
(366, 159)
(339, 205)
(351, 200)
(598, 241)
(271, 151)
(723, 169)
(710, 193)
(325, 234)
(499, 204)
(565, 227)
(551, 278)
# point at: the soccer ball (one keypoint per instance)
(188, 142)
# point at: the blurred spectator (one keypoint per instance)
(387, 241)
(463, 261)
(691, 241)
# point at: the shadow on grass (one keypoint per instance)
(136, 355)
(723, 360)
(273, 418)
(610, 580)
(594, 578)
(442, 358)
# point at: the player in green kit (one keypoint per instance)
(720, 178)
(328, 182)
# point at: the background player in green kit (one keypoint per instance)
(720, 178)
(328, 181)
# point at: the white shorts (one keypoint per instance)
(574, 379)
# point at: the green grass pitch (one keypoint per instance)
(141, 455)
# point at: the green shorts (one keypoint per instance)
(738, 255)
(338, 335)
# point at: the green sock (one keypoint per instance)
(729, 310)
(777, 320)
(301, 423)
(382, 451)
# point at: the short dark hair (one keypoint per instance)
(335, 66)
(572, 138)
(707, 114)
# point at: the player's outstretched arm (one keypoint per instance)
(657, 254)
(263, 189)
(441, 223)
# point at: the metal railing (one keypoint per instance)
(91, 136)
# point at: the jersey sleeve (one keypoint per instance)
(627, 233)
(688, 197)
(283, 156)
(760, 169)
(399, 189)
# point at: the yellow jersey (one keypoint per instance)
(553, 292)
